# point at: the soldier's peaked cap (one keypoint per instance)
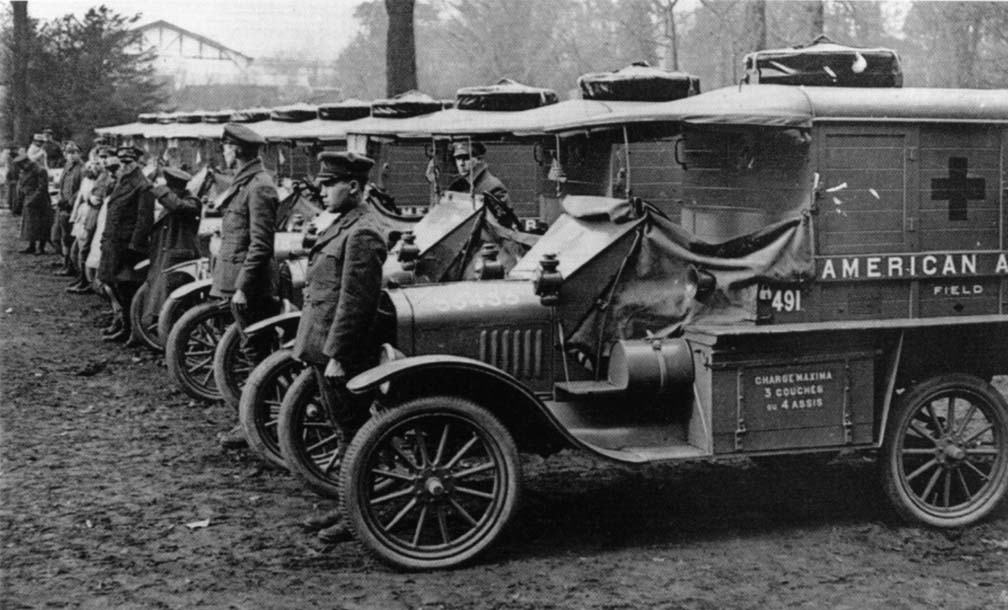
(129, 152)
(176, 177)
(466, 149)
(336, 165)
(236, 133)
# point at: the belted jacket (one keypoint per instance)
(173, 240)
(69, 184)
(341, 293)
(124, 242)
(248, 229)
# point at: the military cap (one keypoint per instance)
(236, 133)
(39, 137)
(71, 146)
(175, 177)
(338, 165)
(468, 149)
(129, 153)
(48, 130)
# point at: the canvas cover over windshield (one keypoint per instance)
(648, 294)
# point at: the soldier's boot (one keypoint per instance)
(233, 438)
(115, 327)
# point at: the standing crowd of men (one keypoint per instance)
(109, 216)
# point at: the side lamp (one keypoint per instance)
(547, 284)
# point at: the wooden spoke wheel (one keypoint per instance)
(945, 455)
(189, 350)
(231, 366)
(430, 484)
(311, 444)
(261, 398)
(145, 333)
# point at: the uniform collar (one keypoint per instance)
(245, 172)
(341, 224)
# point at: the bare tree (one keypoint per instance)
(666, 12)
(400, 47)
(18, 102)
(817, 18)
(757, 17)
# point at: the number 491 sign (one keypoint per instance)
(777, 300)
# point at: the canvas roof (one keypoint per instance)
(787, 106)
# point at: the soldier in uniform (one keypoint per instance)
(37, 151)
(12, 180)
(33, 192)
(173, 235)
(69, 184)
(475, 177)
(337, 334)
(246, 272)
(125, 238)
(53, 152)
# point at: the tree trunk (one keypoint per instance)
(817, 22)
(757, 17)
(19, 74)
(400, 48)
(670, 59)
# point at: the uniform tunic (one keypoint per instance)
(36, 207)
(245, 260)
(342, 289)
(125, 238)
(483, 182)
(173, 240)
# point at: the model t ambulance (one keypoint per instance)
(832, 276)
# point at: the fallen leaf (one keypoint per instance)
(9, 310)
(195, 525)
(88, 524)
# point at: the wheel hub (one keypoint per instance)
(435, 487)
(432, 485)
(949, 453)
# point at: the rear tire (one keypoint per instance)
(311, 445)
(944, 459)
(261, 399)
(190, 348)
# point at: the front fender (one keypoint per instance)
(285, 323)
(521, 411)
(195, 269)
(191, 289)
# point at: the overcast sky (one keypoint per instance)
(258, 28)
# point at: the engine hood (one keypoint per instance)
(461, 318)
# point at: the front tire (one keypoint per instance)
(189, 349)
(261, 399)
(311, 445)
(231, 367)
(944, 459)
(430, 484)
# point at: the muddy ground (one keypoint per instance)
(104, 463)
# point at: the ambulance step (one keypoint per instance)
(587, 389)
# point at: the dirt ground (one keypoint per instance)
(108, 472)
